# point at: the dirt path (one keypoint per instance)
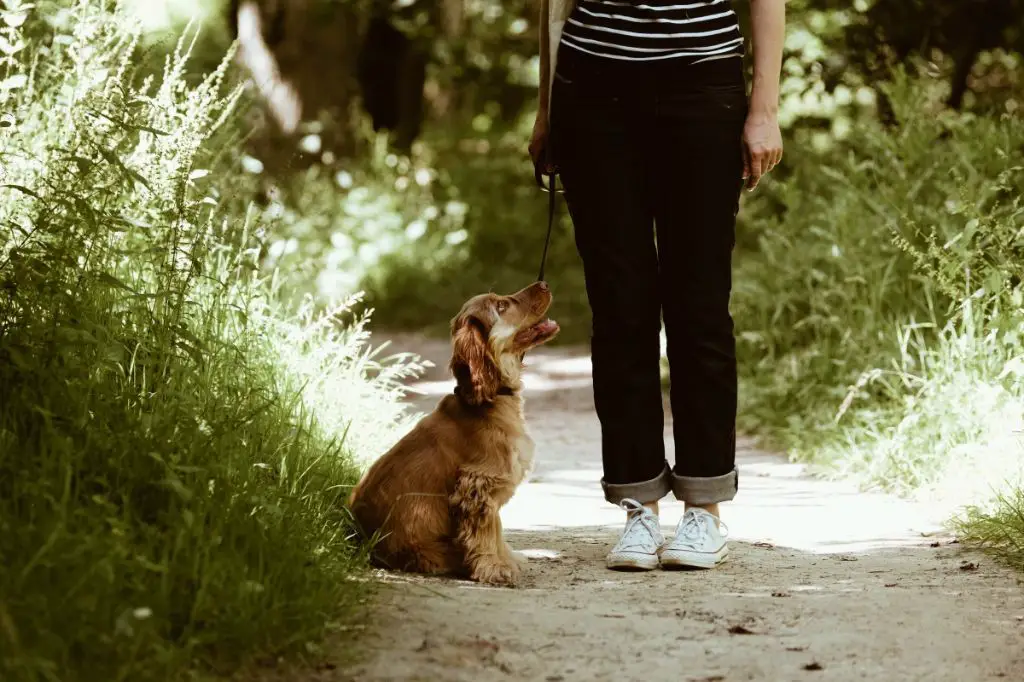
(824, 583)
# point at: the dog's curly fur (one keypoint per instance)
(434, 498)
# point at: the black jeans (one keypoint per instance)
(651, 159)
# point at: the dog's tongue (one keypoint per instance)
(547, 327)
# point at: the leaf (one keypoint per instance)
(149, 129)
(16, 16)
(14, 82)
(11, 48)
(138, 178)
(110, 280)
(22, 188)
(128, 172)
(174, 484)
(149, 565)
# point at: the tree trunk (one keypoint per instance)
(301, 56)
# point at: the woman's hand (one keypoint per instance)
(762, 147)
(539, 140)
(762, 139)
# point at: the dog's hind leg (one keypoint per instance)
(436, 557)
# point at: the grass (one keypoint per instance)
(175, 444)
(999, 531)
(883, 295)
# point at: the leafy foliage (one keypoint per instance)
(171, 484)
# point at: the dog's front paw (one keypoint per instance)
(496, 572)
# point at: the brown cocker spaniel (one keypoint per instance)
(433, 499)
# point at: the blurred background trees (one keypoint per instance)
(409, 67)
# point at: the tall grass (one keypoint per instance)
(879, 313)
(175, 447)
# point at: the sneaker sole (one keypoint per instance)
(632, 562)
(675, 559)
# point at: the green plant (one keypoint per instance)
(880, 313)
(175, 446)
(998, 530)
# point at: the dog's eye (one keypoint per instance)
(502, 307)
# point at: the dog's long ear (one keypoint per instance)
(475, 371)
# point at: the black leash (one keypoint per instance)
(552, 206)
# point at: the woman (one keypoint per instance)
(654, 137)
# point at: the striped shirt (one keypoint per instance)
(654, 30)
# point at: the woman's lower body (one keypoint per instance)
(651, 158)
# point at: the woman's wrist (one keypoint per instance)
(764, 105)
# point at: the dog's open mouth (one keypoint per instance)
(546, 328)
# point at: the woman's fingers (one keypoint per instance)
(758, 164)
(762, 143)
(748, 168)
(758, 161)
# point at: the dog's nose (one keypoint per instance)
(543, 286)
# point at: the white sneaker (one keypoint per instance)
(700, 542)
(638, 547)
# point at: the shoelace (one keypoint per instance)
(695, 525)
(636, 514)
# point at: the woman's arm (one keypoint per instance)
(540, 126)
(545, 55)
(761, 136)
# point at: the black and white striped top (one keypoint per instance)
(652, 30)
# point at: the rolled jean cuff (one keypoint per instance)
(644, 492)
(699, 491)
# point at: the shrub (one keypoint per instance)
(880, 313)
(174, 447)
